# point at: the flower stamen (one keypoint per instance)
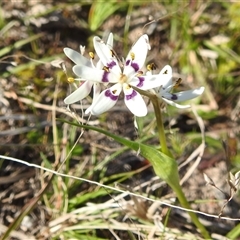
(91, 54)
(132, 55)
(151, 67)
(106, 69)
(70, 80)
(178, 82)
(139, 73)
(112, 53)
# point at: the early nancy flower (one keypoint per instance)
(86, 86)
(165, 91)
(124, 76)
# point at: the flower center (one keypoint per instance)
(123, 78)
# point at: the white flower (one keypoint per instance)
(85, 88)
(165, 90)
(123, 77)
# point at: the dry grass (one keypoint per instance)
(111, 192)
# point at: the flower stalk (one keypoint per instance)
(184, 203)
(160, 127)
(174, 184)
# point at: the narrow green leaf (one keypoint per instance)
(87, 197)
(164, 166)
(100, 11)
(20, 43)
(234, 233)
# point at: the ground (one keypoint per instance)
(199, 40)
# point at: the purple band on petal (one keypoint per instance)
(135, 66)
(111, 64)
(141, 80)
(110, 95)
(127, 62)
(174, 97)
(131, 96)
(105, 77)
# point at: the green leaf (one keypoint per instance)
(86, 197)
(100, 11)
(20, 43)
(234, 233)
(164, 166)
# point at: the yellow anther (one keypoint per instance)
(140, 73)
(112, 53)
(91, 54)
(128, 87)
(70, 80)
(178, 82)
(132, 55)
(151, 66)
(105, 68)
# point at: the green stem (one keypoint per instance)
(160, 126)
(184, 203)
(174, 184)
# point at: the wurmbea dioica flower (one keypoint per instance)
(165, 91)
(86, 86)
(125, 76)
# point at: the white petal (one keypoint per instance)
(172, 98)
(134, 102)
(102, 50)
(165, 80)
(95, 75)
(99, 65)
(187, 95)
(76, 57)
(149, 81)
(110, 41)
(130, 70)
(165, 76)
(106, 100)
(96, 93)
(138, 52)
(80, 93)
(170, 102)
(105, 55)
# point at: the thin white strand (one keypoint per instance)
(113, 188)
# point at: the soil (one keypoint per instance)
(26, 129)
